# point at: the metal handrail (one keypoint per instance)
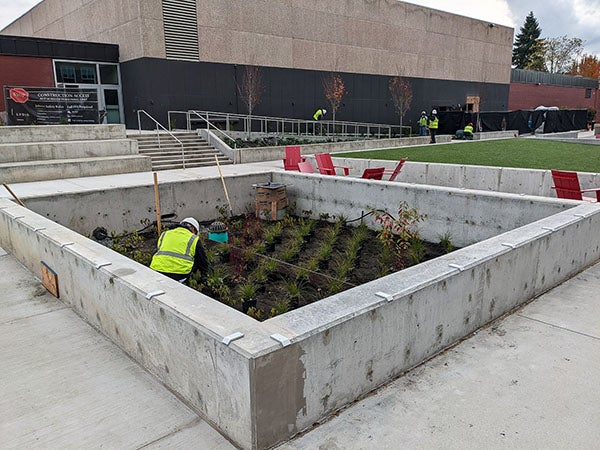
(209, 125)
(296, 126)
(158, 133)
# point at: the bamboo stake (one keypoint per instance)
(13, 194)
(224, 187)
(157, 203)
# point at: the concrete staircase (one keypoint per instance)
(50, 152)
(166, 152)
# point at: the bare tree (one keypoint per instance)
(561, 53)
(251, 88)
(402, 94)
(334, 90)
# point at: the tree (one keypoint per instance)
(588, 66)
(561, 52)
(528, 49)
(402, 95)
(251, 89)
(334, 90)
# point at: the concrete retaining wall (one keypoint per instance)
(496, 179)
(259, 391)
(24, 172)
(55, 133)
(41, 151)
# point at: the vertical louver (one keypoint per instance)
(181, 29)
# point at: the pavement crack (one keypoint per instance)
(8, 322)
(194, 422)
(559, 327)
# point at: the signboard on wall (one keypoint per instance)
(50, 106)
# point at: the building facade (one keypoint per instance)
(529, 89)
(189, 54)
(50, 63)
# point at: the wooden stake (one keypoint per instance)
(157, 203)
(224, 187)
(13, 194)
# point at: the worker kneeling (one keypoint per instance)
(468, 131)
(180, 252)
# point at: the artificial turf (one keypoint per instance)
(515, 152)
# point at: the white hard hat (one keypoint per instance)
(423, 112)
(324, 111)
(191, 221)
(434, 112)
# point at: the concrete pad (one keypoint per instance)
(63, 385)
(521, 383)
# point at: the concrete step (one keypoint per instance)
(175, 152)
(23, 172)
(174, 148)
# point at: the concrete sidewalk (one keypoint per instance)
(65, 386)
(530, 380)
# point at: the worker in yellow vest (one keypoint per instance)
(468, 131)
(319, 113)
(433, 125)
(423, 124)
(179, 251)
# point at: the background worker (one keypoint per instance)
(433, 125)
(319, 113)
(180, 251)
(423, 124)
(468, 131)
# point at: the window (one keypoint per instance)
(66, 74)
(108, 74)
(588, 93)
(88, 74)
(80, 73)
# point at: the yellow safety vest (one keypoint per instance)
(468, 129)
(176, 251)
(433, 123)
(423, 121)
(318, 114)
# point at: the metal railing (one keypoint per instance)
(157, 123)
(284, 126)
(188, 120)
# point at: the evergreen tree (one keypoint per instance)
(528, 49)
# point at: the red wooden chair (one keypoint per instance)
(306, 167)
(394, 173)
(373, 173)
(567, 185)
(292, 157)
(325, 164)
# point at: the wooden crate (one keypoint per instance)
(270, 198)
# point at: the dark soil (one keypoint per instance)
(240, 261)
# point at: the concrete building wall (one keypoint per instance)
(384, 37)
(530, 96)
(377, 37)
(136, 26)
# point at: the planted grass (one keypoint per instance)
(520, 152)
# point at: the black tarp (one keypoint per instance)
(525, 121)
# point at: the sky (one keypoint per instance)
(573, 18)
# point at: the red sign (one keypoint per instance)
(19, 95)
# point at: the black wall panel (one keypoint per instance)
(158, 85)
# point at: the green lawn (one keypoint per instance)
(520, 152)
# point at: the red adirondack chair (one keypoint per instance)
(306, 167)
(394, 173)
(373, 173)
(567, 185)
(292, 157)
(325, 165)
